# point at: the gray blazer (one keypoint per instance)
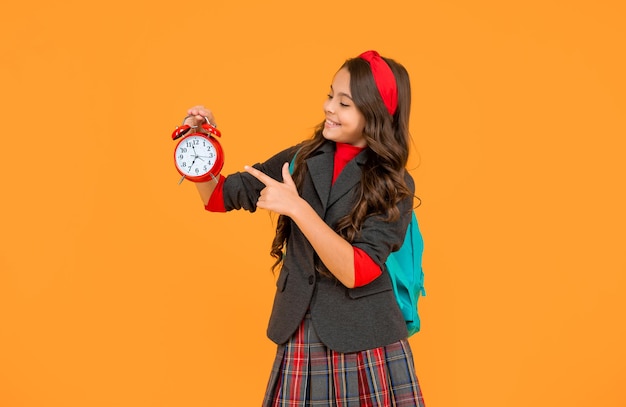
(346, 320)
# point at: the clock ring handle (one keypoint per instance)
(207, 128)
(205, 118)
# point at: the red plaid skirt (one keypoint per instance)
(307, 373)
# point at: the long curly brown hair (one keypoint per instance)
(382, 184)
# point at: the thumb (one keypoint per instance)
(287, 175)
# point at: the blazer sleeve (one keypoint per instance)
(241, 190)
(379, 237)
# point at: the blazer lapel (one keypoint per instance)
(348, 178)
(321, 172)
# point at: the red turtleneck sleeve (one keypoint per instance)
(216, 201)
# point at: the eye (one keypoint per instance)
(341, 103)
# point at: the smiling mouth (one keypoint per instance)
(330, 123)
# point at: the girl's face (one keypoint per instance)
(344, 122)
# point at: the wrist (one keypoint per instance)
(301, 210)
(210, 179)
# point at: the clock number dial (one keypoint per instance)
(195, 156)
(198, 155)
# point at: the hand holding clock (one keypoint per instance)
(198, 115)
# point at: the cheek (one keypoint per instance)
(359, 123)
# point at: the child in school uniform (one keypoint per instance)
(341, 338)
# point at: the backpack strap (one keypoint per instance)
(292, 164)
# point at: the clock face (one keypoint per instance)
(195, 156)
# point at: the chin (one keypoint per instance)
(331, 135)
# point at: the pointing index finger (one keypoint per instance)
(264, 178)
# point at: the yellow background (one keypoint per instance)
(117, 289)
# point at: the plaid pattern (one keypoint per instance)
(307, 373)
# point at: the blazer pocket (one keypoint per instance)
(282, 279)
(377, 286)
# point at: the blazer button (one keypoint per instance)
(311, 280)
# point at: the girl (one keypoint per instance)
(341, 337)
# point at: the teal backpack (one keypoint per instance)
(405, 270)
(407, 276)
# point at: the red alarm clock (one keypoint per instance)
(198, 156)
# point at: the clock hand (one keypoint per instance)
(192, 163)
(194, 150)
(195, 154)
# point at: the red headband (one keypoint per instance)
(385, 81)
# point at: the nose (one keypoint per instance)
(328, 106)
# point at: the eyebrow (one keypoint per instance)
(341, 93)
